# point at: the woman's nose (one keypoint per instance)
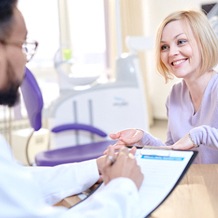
(174, 50)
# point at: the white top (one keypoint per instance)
(30, 192)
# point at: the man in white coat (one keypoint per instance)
(31, 192)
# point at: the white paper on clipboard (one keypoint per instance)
(162, 170)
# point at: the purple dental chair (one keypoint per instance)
(33, 101)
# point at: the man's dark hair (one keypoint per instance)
(11, 95)
(6, 15)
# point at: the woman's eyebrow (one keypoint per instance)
(162, 41)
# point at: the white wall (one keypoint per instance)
(155, 12)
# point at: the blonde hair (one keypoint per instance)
(203, 33)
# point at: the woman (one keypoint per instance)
(187, 48)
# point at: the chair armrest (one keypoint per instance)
(78, 126)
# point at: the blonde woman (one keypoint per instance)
(186, 48)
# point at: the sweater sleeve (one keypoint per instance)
(149, 139)
(205, 135)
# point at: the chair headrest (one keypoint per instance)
(33, 99)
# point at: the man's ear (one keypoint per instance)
(2, 65)
(2, 53)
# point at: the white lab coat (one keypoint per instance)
(30, 192)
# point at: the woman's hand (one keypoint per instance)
(127, 137)
(185, 143)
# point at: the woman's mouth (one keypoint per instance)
(176, 63)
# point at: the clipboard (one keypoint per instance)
(153, 160)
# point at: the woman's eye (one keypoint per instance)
(164, 47)
(182, 41)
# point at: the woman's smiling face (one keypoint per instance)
(179, 52)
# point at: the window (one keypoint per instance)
(87, 31)
(41, 17)
(82, 29)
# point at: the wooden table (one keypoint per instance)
(196, 196)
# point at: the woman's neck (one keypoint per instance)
(197, 88)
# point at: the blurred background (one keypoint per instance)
(103, 49)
